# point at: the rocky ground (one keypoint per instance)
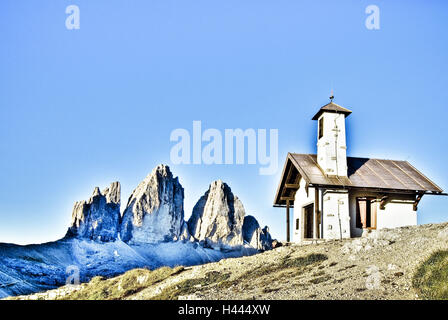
(379, 265)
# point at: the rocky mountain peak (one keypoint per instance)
(113, 193)
(217, 217)
(97, 218)
(96, 192)
(256, 237)
(155, 210)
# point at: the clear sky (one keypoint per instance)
(82, 108)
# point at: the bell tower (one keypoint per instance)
(331, 142)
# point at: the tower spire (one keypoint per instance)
(331, 96)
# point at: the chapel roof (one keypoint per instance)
(332, 107)
(379, 175)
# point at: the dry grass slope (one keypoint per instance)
(431, 278)
(123, 286)
(190, 286)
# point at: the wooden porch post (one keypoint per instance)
(287, 221)
(316, 213)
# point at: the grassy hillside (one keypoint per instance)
(431, 278)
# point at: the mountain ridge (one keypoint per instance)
(150, 233)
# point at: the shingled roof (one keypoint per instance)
(363, 173)
(332, 107)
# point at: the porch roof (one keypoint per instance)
(363, 173)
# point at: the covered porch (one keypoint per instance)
(285, 198)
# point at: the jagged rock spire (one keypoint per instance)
(97, 218)
(217, 217)
(256, 237)
(155, 209)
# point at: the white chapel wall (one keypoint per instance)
(301, 199)
(335, 217)
(397, 213)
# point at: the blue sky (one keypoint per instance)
(82, 108)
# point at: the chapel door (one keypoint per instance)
(372, 213)
(366, 213)
(308, 220)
